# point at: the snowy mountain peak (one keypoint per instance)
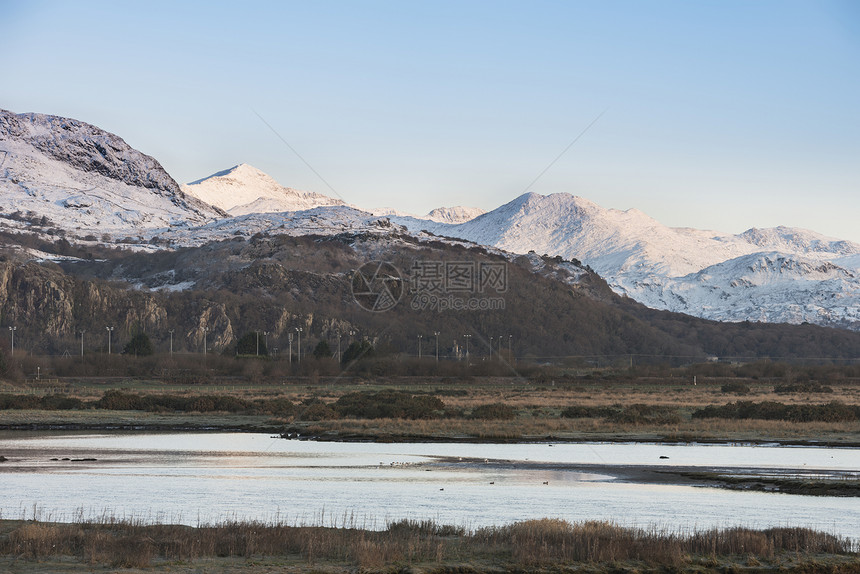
(458, 214)
(81, 176)
(796, 240)
(244, 189)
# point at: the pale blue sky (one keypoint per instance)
(720, 115)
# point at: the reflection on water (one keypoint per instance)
(193, 478)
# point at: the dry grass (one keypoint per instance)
(529, 545)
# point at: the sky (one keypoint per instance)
(716, 115)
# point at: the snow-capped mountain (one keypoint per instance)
(244, 189)
(83, 178)
(458, 214)
(775, 275)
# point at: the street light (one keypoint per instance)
(82, 342)
(110, 331)
(436, 334)
(205, 330)
(491, 346)
(12, 332)
(419, 346)
(299, 331)
(266, 341)
(258, 343)
(510, 337)
(171, 342)
(338, 346)
(290, 338)
(500, 347)
(467, 337)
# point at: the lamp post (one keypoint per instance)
(205, 344)
(258, 343)
(436, 334)
(510, 353)
(500, 347)
(266, 341)
(171, 342)
(419, 346)
(467, 337)
(110, 331)
(338, 346)
(290, 339)
(299, 331)
(82, 342)
(491, 347)
(12, 332)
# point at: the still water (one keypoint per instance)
(205, 478)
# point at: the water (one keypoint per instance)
(205, 478)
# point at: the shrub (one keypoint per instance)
(389, 404)
(801, 388)
(494, 411)
(647, 414)
(735, 387)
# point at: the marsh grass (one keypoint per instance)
(523, 545)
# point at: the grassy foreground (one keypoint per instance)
(409, 546)
(569, 409)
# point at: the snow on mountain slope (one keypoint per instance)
(82, 177)
(325, 221)
(458, 214)
(767, 286)
(244, 189)
(609, 240)
(779, 275)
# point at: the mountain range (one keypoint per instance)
(63, 176)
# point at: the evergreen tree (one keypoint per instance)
(322, 350)
(358, 350)
(139, 346)
(247, 344)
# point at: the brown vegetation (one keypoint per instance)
(531, 545)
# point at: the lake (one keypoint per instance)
(195, 478)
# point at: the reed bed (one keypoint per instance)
(528, 545)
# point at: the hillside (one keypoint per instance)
(84, 179)
(550, 308)
(707, 274)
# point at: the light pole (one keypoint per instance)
(110, 331)
(338, 346)
(205, 330)
(436, 334)
(419, 346)
(171, 342)
(510, 353)
(12, 332)
(290, 338)
(82, 342)
(266, 341)
(258, 343)
(467, 337)
(491, 347)
(299, 331)
(500, 348)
